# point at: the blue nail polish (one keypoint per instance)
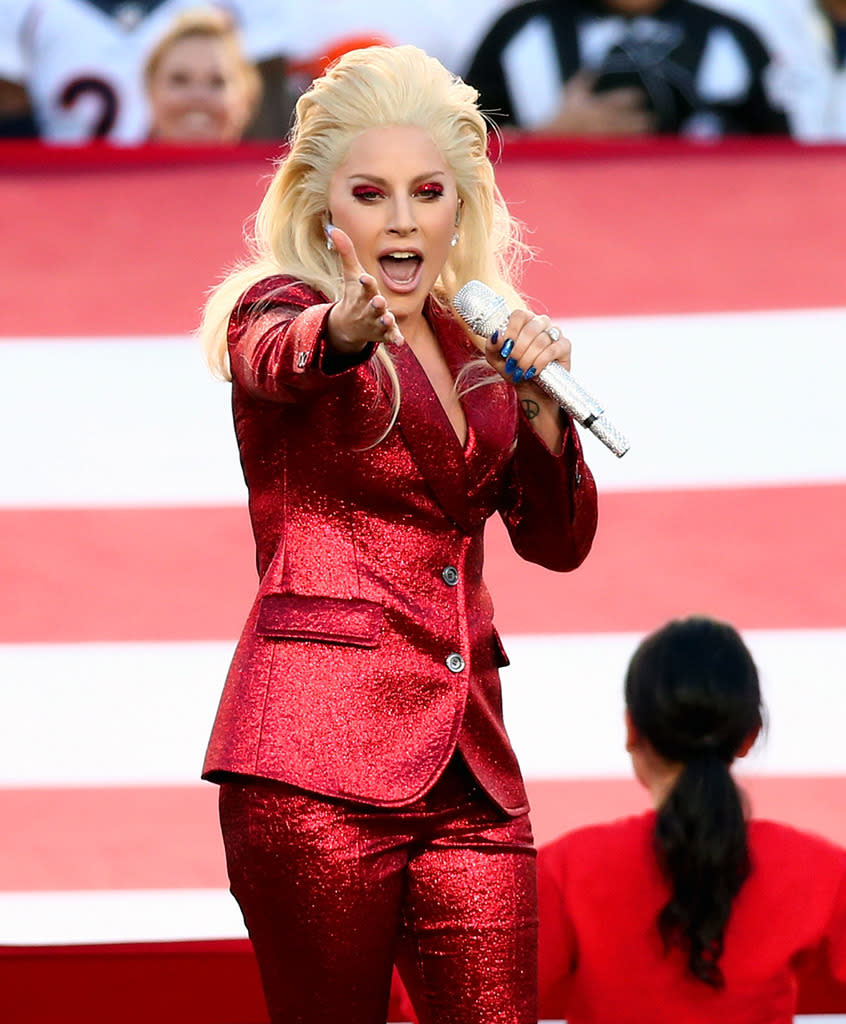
(495, 338)
(510, 364)
(530, 372)
(517, 376)
(506, 348)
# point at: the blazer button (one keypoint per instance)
(455, 663)
(449, 574)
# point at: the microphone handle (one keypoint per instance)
(485, 312)
(570, 395)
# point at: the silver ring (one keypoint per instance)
(553, 332)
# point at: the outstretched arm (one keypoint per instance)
(284, 342)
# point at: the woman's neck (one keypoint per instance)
(661, 784)
(416, 330)
(655, 773)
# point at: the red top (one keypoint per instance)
(601, 957)
(370, 654)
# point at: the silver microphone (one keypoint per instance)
(485, 312)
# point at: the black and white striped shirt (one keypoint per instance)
(703, 72)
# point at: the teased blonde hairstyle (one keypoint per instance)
(207, 23)
(377, 86)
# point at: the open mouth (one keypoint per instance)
(401, 269)
(196, 123)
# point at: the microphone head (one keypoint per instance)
(481, 308)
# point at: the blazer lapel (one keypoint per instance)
(458, 477)
(430, 438)
(490, 408)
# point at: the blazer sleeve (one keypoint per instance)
(550, 503)
(278, 346)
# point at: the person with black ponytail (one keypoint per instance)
(692, 912)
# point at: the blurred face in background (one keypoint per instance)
(200, 91)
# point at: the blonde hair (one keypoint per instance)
(207, 23)
(378, 86)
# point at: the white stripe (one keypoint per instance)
(115, 422)
(723, 399)
(564, 705)
(137, 915)
(719, 399)
(127, 714)
(107, 714)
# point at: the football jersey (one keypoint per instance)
(82, 61)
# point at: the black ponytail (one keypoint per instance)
(692, 692)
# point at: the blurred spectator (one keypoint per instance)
(200, 85)
(16, 120)
(691, 912)
(624, 67)
(446, 29)
(81, 61)
(807, 39)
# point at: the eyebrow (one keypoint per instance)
(382, 181)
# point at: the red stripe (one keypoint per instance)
(643, 230)
(213, 981)
(209, 982)
(762, 557)
(167, 837)
(682, 234)
(153, 574)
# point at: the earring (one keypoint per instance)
(330, 245)
(454, 240)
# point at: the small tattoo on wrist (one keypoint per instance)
(530, 408)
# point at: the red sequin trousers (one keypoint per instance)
(333, 893)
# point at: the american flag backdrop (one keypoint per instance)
(704, 289)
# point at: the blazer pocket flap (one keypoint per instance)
(335, 620)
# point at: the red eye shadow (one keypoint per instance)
(366, 190)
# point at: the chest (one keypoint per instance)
(440, 377)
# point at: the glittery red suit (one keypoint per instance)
(389, 811)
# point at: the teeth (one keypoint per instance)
(403, 255)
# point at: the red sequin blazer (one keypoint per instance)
(370, 653)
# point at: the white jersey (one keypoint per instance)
(82, 61)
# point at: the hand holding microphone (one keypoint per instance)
(485, 312)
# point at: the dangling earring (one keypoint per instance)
(454, 240)
(330, 245)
